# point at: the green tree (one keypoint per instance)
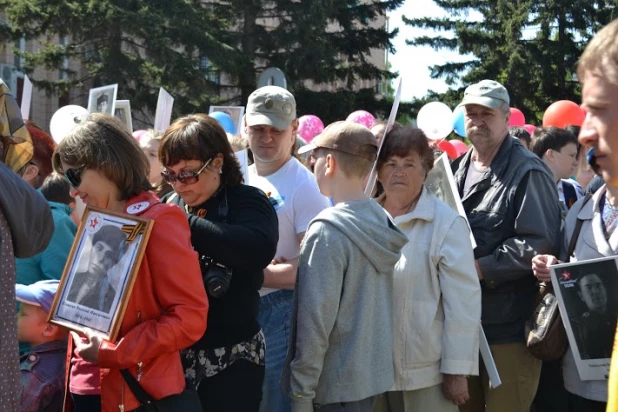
(139, 44)
(182, 45)
(531, 46)
(321, 41)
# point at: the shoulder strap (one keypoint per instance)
(578, 228)
(142, 396)
(172, 198)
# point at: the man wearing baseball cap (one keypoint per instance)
(511, 202)
(42, 369)
(341, 345)
(271, 126)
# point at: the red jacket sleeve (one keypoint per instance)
(184, 305)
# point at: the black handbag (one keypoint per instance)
(546, 337)
(187, 401)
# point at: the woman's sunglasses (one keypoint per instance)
(74, 175)
(186, 177)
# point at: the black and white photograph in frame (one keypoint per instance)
(123, 112)
(235, 112)
(97, 281)
(103, 99)
(441, 182)
(586, 293)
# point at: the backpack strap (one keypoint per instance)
(578, 228)
(570, 194)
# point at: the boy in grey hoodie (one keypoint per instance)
(340, 354)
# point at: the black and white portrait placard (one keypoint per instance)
(441, 182)
(587, 294)
(103, 99)
(99, 276)
(123, 112)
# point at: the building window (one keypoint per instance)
(63, 74)
(210, 72)
(18, 60)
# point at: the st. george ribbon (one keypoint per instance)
(389, 125)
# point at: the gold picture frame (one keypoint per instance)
(100, 272)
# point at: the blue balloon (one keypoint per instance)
(458, 122)
(225, 120)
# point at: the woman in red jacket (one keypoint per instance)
(168, 307)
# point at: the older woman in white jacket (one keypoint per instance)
(437, 306)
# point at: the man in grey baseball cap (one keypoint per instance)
(273, 106)
(511, 202)
(487, 93)
(271, 126)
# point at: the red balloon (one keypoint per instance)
(459, 146)
(563, 113)
(447, 147)
(530, 128)
(517, 118)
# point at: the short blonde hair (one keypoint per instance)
(601, 54)
(149, 135)
(237, 142)
(351, 166)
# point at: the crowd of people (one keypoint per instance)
(290, 288)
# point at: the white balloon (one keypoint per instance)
(435, 119)
(64, 120)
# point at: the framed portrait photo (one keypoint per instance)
(441, 182)
(103, 99)
(122, 111)
(100, 272)
(586, 293)
(235, 112)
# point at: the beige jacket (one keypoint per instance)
(437, 303)
(591, 244)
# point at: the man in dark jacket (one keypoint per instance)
(512, 204)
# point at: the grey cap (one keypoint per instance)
(272, 106)
(487, 93)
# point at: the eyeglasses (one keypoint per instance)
(74, 175)
(186, 177)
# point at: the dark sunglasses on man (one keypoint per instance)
(186, 177)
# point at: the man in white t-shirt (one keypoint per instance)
(271, 125)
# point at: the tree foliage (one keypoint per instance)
(139, 44)
(531, 46)
(179, 44)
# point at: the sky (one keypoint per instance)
(413, 62)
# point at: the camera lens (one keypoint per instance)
(216, 287)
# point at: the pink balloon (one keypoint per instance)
(530, 128)
(138, 134)
(517, 118)
(459, 146)
(362, 117)
(309, 126)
